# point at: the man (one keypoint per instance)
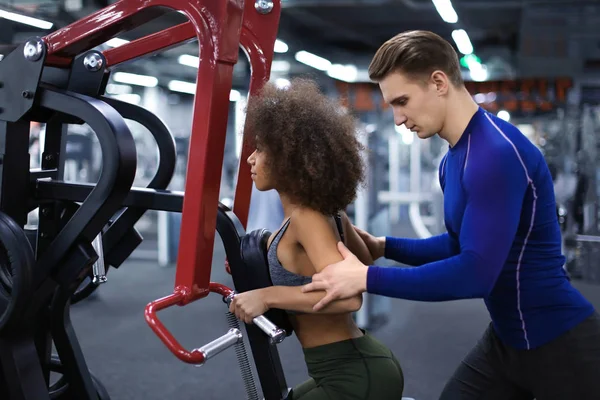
(502, 244)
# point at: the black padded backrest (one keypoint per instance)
(253, 247)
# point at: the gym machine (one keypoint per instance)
(84, 229)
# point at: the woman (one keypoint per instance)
(307, 150)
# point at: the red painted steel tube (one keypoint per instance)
(207, 144)
(108, 22)
(217, 25)
(150, 44)
(258, 40)
(195, 356)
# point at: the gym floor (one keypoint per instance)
(429, 339)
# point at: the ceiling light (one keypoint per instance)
(461, 38)
(280, 66)
(190, 88)
(503, 114)
(135, 79)
(479, 73)
(128, 98)
(188, 60)
(113, 88)
(182, 87)
(446, 11)
(234, 95)
(280, 46)
(346, 73)
(313, 60)
(38, 23)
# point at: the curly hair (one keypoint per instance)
(312, 151)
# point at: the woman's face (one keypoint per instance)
(259, 170)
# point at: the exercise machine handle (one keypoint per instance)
(275, 334)
(200, 355)
(218, 345)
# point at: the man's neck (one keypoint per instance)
(461, 109)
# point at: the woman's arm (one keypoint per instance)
(314, 233)
(291, 298)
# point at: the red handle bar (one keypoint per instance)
(196, 356)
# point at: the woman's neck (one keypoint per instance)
(288, 205)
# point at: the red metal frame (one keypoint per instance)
(257, 39)
(159, 41)
(192, 357)
(220, 27)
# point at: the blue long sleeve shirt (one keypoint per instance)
(503, 241)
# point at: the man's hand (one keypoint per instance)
(342, 280)
(248, 305)
(376, 245)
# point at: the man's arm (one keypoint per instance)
(417, 252)
(495, 189)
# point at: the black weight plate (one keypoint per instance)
(60, 389)
(16, 271)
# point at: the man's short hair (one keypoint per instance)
(416, 54)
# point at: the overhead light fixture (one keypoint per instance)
(113, 88)
(182, 87)
(469, 60)
(313, 60)
(478, 72)
(116, 42)
(190, 88)
(188, 60)
(503, 114)
(446, 11)
(280, 46)
(461, 38)
(135, 79)
(128, 98)
(234, 95)
(38, 23)
(280, 66)
(346, 73)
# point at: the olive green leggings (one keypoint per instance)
(361, 369)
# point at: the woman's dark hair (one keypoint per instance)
(313, 153)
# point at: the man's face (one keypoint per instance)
(415, 103)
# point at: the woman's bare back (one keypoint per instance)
(316, 329)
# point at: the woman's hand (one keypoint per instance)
(249, 305)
